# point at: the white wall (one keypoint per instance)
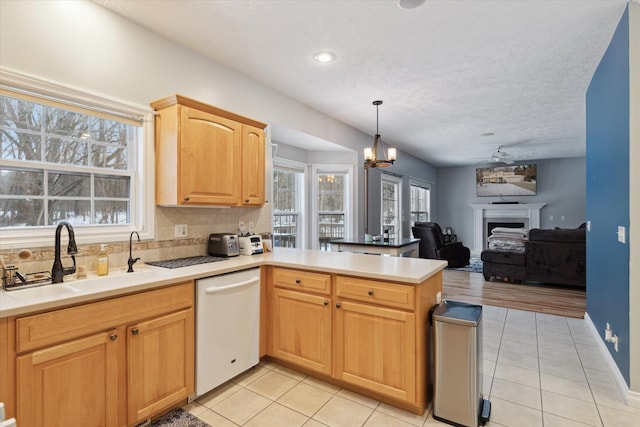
(80, 44)
(561, 185)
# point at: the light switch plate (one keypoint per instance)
(621, 234)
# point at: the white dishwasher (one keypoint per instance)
(227, 327)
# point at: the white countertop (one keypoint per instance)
(145, 277)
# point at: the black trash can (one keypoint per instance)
(458, 398)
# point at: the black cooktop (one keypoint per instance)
(186, 262)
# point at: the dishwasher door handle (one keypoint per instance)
(216, 289)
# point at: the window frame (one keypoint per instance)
(348, 170)
(386, 178)
(301, 168)
(142, 214)
(426, 186)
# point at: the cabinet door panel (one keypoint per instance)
(210, 155)
(252, 165)
(72, 384)
(302, 329)
(160, 363)
(375, 348)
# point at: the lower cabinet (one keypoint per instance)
(301, 330)
(71, 384)
(160, 363)
(375, 348)
(363, 332)
(110, 363)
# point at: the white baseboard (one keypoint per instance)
(634, 399)
(631, 397)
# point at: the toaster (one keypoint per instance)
(250, 245)
(223, 244)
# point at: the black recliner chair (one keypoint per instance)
(432, 245)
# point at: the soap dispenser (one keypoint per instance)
(103, 261)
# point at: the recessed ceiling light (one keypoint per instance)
(410, 4)
(325, 56)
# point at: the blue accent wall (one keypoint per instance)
(607, 168)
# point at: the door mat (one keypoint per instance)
(475, 266)
(179, 418)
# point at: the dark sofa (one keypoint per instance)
(551, 256)
(556, 256)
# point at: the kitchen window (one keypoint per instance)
(288, 201)
(420, 203)
(66, 155)
(391, 203)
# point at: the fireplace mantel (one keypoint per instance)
(481, 212)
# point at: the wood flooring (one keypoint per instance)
(472, 288)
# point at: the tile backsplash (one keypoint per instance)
(200, 222)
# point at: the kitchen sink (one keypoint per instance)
(44, 291)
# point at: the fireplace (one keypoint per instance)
(525, 215)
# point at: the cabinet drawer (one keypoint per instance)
(62, 325)
(384, 293)
(302, 280)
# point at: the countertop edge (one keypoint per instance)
(329, 262)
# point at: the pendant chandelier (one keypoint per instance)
(375, 157)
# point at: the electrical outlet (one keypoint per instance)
(561, 217)
(621, 234)
(241, 225)
(588, 225)
(439, 297)
(250, 227)
(181, 230)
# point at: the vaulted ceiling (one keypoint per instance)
(458, 78)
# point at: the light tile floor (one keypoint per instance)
(540, 370)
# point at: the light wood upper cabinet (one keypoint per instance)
(252, 165)
(207, 156)
(210, 155)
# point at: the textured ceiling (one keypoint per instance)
(448, 71)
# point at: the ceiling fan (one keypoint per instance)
(500, 156)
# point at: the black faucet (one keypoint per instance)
(58, 271)
(132, 260)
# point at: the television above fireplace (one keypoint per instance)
(518, 180)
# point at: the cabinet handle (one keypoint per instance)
(370, 293)
(186, 198)
(326, 303)
(246, 200)
(338, 305)
(113, 337)
(298, 281)
(135, 331)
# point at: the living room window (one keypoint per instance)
(332, 204)
(420, 202)
(74, 157)
(391, 205)
(288, 202)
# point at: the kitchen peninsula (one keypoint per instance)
(359, 321)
